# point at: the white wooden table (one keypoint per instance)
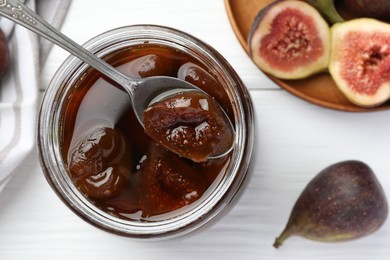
(295, 140)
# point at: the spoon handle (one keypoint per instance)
(22, 15)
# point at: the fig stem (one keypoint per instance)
(327, 9)
(282, 237)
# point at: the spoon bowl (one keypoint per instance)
(141, 91)
(147, 93)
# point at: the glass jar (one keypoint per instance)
(216, 201)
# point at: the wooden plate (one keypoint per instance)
(319, 89)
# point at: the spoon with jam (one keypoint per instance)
(182, 118)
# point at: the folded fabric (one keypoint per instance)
(19, 88)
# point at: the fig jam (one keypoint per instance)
(111, 160)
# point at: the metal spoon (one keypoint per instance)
(141, 91)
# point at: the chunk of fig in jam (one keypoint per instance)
(190, 124)
(100, 163)
(152, 65)
(198, 76)
(167, 182)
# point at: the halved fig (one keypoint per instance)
(360, 60)
(290, 40)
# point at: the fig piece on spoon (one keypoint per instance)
(345, 201)
(190, 124)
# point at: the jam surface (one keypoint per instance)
(110, 158)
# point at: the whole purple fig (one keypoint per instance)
(344, 201)
(4, 54)
(379, 9)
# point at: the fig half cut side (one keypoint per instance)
(360, 60)
(290, 40)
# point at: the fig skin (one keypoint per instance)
(360, 60)
(290, 40)
(4, 54)
(379, 9)
(344, 201)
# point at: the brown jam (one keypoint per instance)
(190, 124)
(110, 158)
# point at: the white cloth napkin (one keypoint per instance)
(19, 88)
